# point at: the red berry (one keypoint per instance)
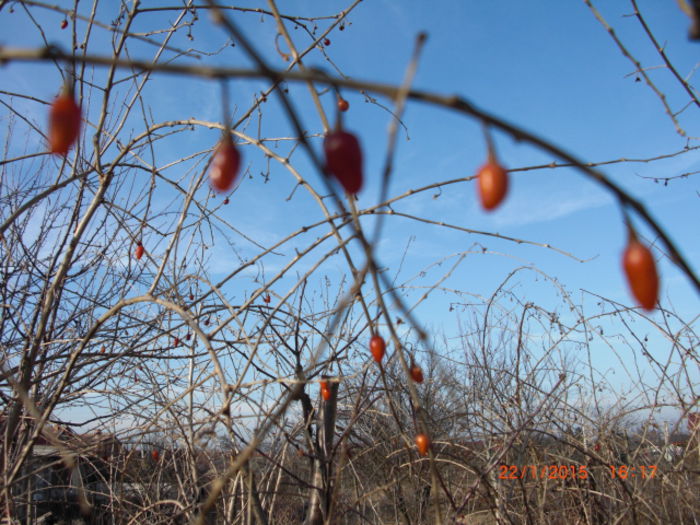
(224, 165)
(416, 373)
(378, 347)
(138, 253)
(640, 269)
(326, 42)
(325, 391)
(343, 104)
(64, 24)
(64, 123)
(493, 184)
(176, 341)
(155, 455)
(226, 200)
(344, 159)
(267, 298)
(423, 444)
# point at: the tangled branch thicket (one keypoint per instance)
(183, 387)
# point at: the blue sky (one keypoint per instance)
(547, 66)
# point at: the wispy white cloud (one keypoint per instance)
(531, 209)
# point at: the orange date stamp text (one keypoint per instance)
(542, 472)
(573, 471)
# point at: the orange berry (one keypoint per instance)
(423, 444)
(325, 390)
(224, 165)
(416, 373)
(493, 184)
(64, 123)
(640, 269)
(378, 347)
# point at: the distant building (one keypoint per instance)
(52, 490)
(84, 479)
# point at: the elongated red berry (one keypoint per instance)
(325, 390)
(138, 253)
(416, 373)
(423, 444)
(378, 347)
(344, 159)
(640, 269)
(64, 123)
(224, 165)
(493, 183)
